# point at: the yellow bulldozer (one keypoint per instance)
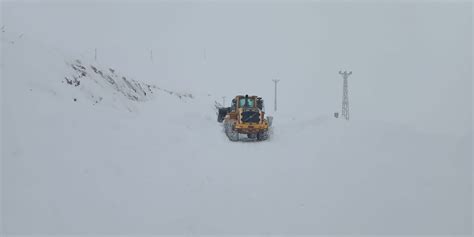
(245, 116)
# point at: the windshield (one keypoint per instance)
(250, 102)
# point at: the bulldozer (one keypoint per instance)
(245, 116)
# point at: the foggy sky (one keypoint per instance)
(411, 61)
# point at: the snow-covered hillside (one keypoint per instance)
(89, 149)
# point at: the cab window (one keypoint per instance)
(250, 102)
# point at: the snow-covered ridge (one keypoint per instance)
(71, 77)
(94, 80)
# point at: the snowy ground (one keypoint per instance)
(161, 164)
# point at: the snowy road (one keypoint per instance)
(172, 170)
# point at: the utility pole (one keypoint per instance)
(345, 94)
(223, 101)
(151, 55)
(275, 81)
(95, 54)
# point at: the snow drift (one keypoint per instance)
(76, 162)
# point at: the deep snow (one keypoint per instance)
(162, 164)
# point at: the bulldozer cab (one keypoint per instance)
(246, 102)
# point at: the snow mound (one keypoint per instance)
(42, 67)
(100, 84)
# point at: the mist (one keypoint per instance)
(411, 61)
(409, 138)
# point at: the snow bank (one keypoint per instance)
(88, 166)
